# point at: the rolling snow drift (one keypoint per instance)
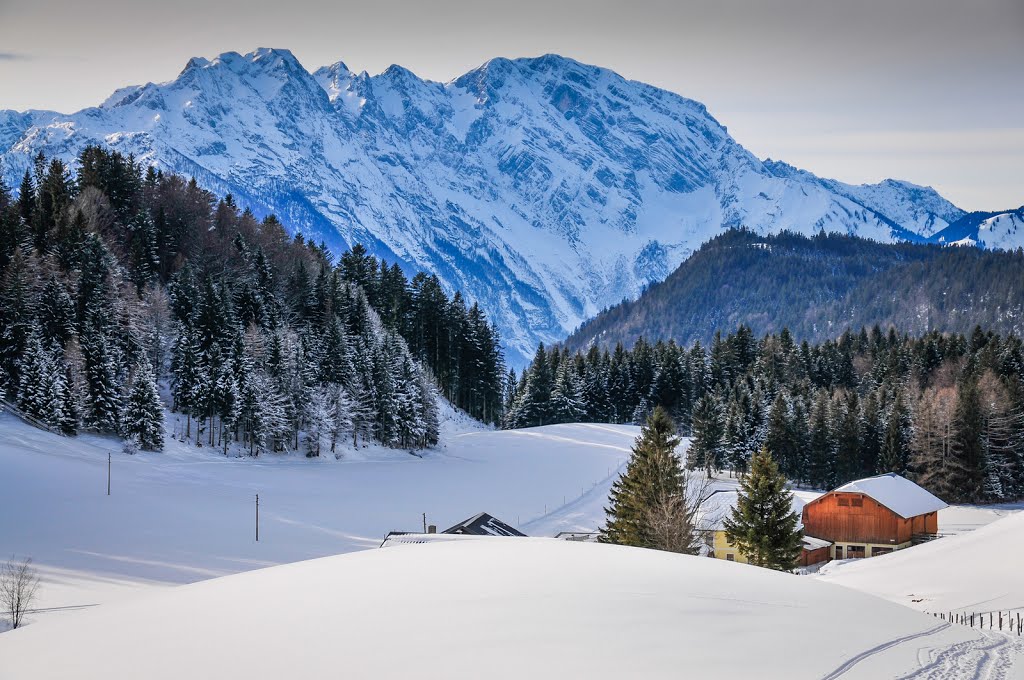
(489, 608)
(975, 572)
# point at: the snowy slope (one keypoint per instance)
(997, 230)
(188, 514)
(497, 608)
(543, 188)
(979, 571)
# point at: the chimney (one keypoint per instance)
(432, 529)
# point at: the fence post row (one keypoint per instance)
(1014, 620)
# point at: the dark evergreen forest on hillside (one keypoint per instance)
(119, 276)
(944, 409)
(817, 288)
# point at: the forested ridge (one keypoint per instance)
(119, 278)
(817, 287)
(944, 409)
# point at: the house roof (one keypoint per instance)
(897, 493)
(720, 503)
(410, 538)
(483, 524)
(812, 543)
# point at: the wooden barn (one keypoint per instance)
(872, 516)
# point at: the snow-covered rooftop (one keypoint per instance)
(812, 543)
(897, 493)
(399, 538)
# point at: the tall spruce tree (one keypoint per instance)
(708, 446)
(652, 481)
(763, 525)
(143, 418)
(896, 445)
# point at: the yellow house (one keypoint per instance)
(718, 507)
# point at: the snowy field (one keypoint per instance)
(505, 608)
(975, 572)
(189, 514)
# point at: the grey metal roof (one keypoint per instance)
(483, 524)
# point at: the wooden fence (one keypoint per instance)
(1004, 621)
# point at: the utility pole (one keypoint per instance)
(108, 473)
(257, 518)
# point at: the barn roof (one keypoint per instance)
(483, 524)
(897, 493)
(812, 543)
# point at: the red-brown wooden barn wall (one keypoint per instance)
(870, 523)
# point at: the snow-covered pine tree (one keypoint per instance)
(566, 400)
(821, 473)
(848, 428)
(341, 415)
(895, 453)
(320, 414)
(737, 438)
(763, 525)
(103, 401)
(707, 448)
(187, 375)
(428, 410)
(143, 418)
(271, 427)
(533, 407)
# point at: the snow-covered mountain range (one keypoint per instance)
(997, 230)
(543, 188)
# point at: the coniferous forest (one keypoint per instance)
(944, 409)
(119, 279)
(817, 287)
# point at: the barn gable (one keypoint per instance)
(899, 494)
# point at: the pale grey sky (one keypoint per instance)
(931, 91)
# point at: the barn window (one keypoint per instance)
(730, 558)
(857, 502)
(843, 501)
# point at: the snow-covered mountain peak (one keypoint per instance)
(542, 187)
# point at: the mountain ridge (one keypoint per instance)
(817, 288)
(543, 188)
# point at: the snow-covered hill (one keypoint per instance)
(503, 608)
(974, 572)
(188, 514)
(543, 188)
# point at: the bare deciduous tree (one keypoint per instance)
(675, 521)
(18, 585)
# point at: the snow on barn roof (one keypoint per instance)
(812, 543)
(897, 493)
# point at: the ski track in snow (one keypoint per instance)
(990, 657)
(874, 651)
